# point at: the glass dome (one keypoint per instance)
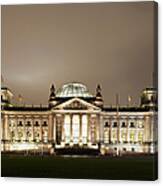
(73, 90)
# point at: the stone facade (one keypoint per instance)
(77, 120)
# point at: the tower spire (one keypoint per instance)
(99, 99)
(52, 92)
(52, 101)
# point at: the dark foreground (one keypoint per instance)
(130, 168)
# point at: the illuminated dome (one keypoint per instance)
(73, 90)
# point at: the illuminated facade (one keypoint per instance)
(77, 121)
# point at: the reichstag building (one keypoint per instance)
(76, 121)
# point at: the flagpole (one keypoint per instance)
(128, 106)
(129, 101)
(118, 123)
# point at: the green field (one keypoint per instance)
(131, 168)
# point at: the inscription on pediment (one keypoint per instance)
(76, 105)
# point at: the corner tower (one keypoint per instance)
(99, 100)
(149, 98)
(52, 100)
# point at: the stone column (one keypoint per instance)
(152, 128)
(127, 132)
(6, 131)
(147, 129)
(54, 128)
(80, 132)
(118, 128)
(63, 131)
(41, 129)
(137, 128)
(71, 134)
(110, 130)
(97, 128)
(88, 129)
(50, 128)
(6, 127)
(2, 128)
(16, 128)
(24, 133)
(32, 123)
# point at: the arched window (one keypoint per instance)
(114, 124)
(20, 124)
(106, 124)
(45, 124)
(36, 124)
(123, 124)
(28, 124)
(132, 125)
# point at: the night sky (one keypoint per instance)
(110, 44)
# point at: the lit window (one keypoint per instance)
(114, 136)
(132, 136)
(28, 135)
(123, 136)
(45, 136)
(140, 124)
(140, 136)
(12, 123)
(20, 134)
(37, 136)
(106, 136)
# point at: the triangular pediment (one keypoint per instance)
(78, 104)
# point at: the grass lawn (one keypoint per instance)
(131, 168)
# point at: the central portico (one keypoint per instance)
(77, 117)
(79, 128)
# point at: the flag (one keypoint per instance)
(129, 100)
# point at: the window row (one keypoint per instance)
(29, 136)
(124, 124)
(123, 136)
(28, 124)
